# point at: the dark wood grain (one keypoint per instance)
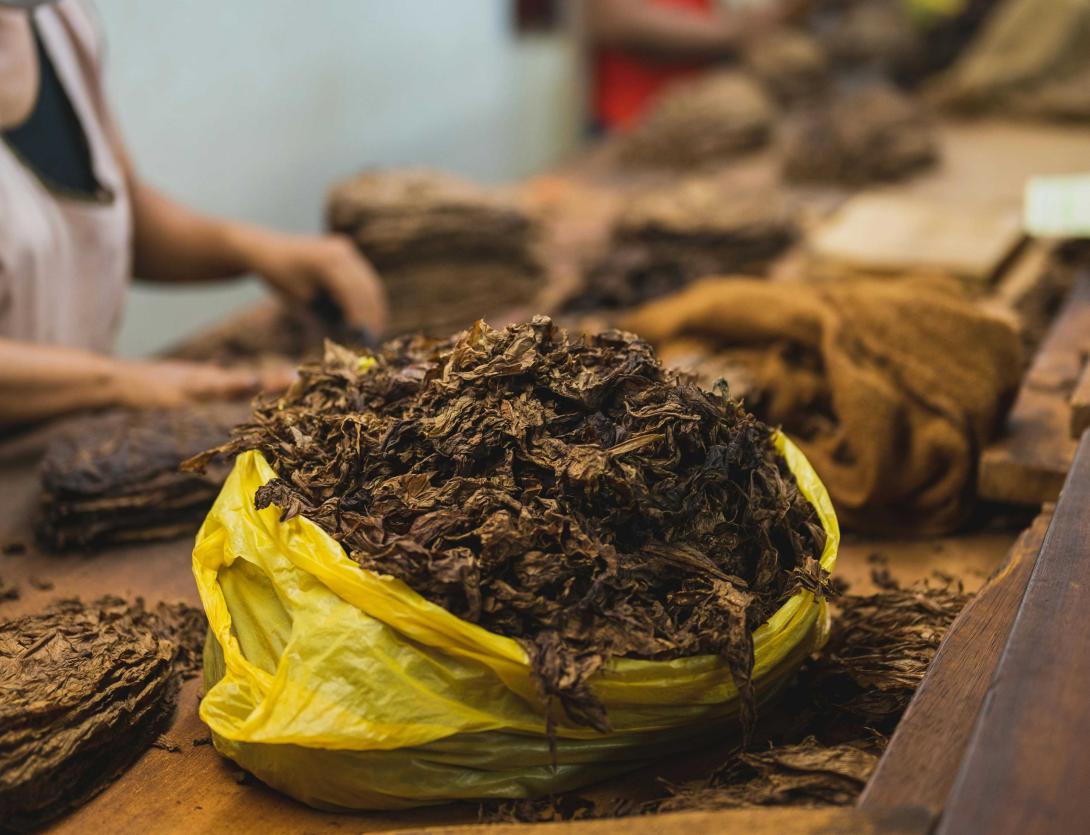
(923, 758)
(1080, 404)
(1027, 769)
(1028, 464)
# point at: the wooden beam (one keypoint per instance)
(1027, 768)
(753, 821)
(1028, 464)
(1080, 404)
(923, 758)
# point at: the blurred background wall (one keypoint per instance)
(281, 98)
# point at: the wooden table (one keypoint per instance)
(194, 789)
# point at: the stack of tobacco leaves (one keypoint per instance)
(790, 64)
(821, 741)
(875, 36)
(114, 478)
(872, 133)
(568, 493)
(670, 236)
(84, 690)
(270, 333)
(448, 250)
(702, 121)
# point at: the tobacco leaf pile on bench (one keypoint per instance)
(85, 688)
(114, 478)
(670, 236)
(568, 493)
(448, 250)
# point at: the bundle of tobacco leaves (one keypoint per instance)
(568, 493)
(670, 236)
(701, 121)
(791, 64)
(269, 333)
(84, 690)
(872, 133)
(820, 742)
(448, 250)
(114, 478)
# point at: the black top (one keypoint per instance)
(51, 141)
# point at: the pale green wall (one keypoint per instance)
(250, 108)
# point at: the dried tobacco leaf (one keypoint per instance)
(878, 654)
(700, 121)
(568, 493)
(670, 236)
(805, 774)
(114, 478)
(791, 64)
(84, 690)
(870, 134)
(448, 250)
(823, 737)
(8, 591)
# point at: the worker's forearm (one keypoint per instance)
(43, 381)
(172, 243)
(661, 31)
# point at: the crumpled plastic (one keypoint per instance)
(347, 690)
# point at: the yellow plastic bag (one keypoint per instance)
(347, 690)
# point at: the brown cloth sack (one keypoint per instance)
(1032, 58)
(891, 387)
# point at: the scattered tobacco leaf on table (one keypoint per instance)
(568, 493)
(114, 478)
(84, 690)
(820, 741)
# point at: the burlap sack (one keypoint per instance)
(891, 387)
(1032, 58)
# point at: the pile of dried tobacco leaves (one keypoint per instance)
(669, 236)
(113, 478)
(569, 493)
(448, 250)
(85, 688)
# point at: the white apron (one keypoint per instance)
(65, 259)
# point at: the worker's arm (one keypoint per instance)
(670, 32)
(172, 243)
(38, 382)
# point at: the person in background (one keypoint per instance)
(640, 46)
(76, 221)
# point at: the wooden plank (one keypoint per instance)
(756, 821)
(1020, 287)
(896, 233)
(1080, 404)
(1028, 464)
(1028, 763)
(922, 759)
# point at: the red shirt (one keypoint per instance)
(624, 83)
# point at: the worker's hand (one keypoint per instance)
(301, 266)
(169, 384)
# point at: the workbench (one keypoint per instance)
(1018, 642)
